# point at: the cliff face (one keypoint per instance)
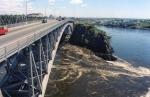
(88, 36)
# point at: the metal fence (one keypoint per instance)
(16, 19)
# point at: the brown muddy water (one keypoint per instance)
(77, 72)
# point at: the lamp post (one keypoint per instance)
(45, 12)
(26, 9)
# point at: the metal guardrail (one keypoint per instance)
(16, 19)
(16, 46)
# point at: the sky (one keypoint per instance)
(80, 8)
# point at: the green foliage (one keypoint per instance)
(125, 23)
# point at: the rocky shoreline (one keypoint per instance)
(78, 72)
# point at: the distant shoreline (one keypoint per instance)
(148, 29)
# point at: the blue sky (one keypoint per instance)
(82, 8)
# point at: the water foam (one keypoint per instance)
(139, 71)
(147, 94)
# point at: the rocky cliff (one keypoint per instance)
(88, 36)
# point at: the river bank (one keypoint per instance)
(134, 28)
(78, 72)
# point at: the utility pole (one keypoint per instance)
(45, 12)
(26, 9)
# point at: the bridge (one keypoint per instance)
(27, 53)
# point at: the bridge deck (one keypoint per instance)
(20, 32)
(20, 37)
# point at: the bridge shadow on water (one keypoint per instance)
(79, 73)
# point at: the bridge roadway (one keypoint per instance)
(19, 37)
(16, 33)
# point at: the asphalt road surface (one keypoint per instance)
(19, 32)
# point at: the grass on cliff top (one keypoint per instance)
(90, 27)
(89, 36)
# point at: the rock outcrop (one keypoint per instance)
(90, 37)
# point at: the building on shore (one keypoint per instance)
(35, 15)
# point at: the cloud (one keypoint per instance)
(76, 1)
(15, 6)
(84, 5)
(52, 2)
(10, 6)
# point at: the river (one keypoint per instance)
(77, 72)
(133, 45)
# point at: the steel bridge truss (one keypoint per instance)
(26, 69)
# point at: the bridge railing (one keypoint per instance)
(12, 48)
(12, 20)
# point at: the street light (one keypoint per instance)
(26, 5)
(26, 9)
